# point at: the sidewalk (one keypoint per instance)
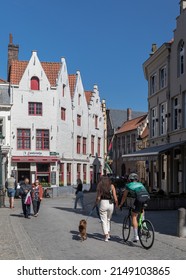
(14, 240)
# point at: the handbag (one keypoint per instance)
(28, 199)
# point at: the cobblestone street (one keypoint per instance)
(54, 234)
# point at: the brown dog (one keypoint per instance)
(83, 229)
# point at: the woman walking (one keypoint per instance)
(106, 195)
(25, 190)
(37, 195)
(79, 194)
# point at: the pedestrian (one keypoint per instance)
(106, 196)
(79, 194)
(25, 190)
(11, 186)
(37, 195)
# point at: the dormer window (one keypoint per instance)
(34, 83)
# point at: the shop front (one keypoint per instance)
(42, 168)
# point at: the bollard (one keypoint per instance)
(181, 222)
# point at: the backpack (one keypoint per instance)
(142, 196)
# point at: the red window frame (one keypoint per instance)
(78, 120)
(35, 108)
(23, 139)
(63, 113)
(34, 83)
(92, 144)
(42, 139)
(84, 173)
(84, 146)
(68, 173)
(99, 146)
(61, 174)
(78, 144)
(78, 170)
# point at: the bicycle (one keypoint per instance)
(145, 229)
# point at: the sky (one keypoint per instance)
(106, 40)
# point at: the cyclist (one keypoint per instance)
(139, 192)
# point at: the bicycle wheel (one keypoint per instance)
(146, 234)
(126, 228)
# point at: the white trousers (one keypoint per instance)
(106, 209)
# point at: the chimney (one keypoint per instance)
(153, 49)
(13, 51)
(182, 5)
(129, 114)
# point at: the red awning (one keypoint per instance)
(34, 159)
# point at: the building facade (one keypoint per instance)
(57, 129)
(5, 119)
(165, 71)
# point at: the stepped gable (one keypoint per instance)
(72, 83)
(88, 95)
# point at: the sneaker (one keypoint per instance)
(135, 239)
(106, 239)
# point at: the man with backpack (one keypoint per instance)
(141, 195)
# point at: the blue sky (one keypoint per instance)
(107, 40)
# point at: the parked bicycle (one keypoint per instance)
(145, 229)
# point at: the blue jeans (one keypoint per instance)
(79, 196)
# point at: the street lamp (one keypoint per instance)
(1, 183)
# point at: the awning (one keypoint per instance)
(151, 151)
(34, 159)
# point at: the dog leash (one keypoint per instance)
(91, 212)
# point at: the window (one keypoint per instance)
(23, 139)
(63, 90)
(84, 145)
(153, 84)
(34, 83)
(123, 144)
(1, 126)
(163, 120)
(99, 147)
(61, 174)
(63, 113)
(78, 120)
(96, 122)
(181, 58)
(175, 113)
(42, 139)
(84, 173)
(35, 108)
(154, 122)
(118, 146)
(68, 174)
(128, 144)
(163, 77)
(133, 137)
(92, 145)
(78, 171)
(78, 144)
(79, 99)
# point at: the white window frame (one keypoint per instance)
(154, 122)
(153, 84)
(163, 118)
(175, 113)
(163, 77)
(181, 57)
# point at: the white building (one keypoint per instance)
(57, 131)
(5, 108)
